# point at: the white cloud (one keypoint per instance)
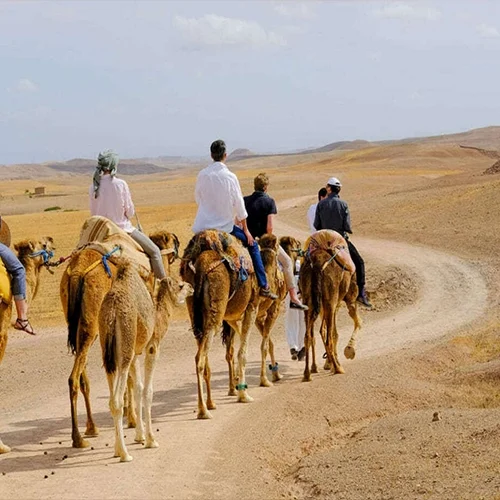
(487, 31)
(408, 12)
(297, 10)
(213, 30)
(26, 85)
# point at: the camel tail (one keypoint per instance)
(317, 288)
(226, 333)
(198, 305)
(75, 295)
(109, 355)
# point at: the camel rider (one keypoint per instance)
(18, 284)
(110, 197)
(261, 210)
(333, 213)
(311, 212)
(219, 199)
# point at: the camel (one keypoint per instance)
(220, 294)
(130, 324)
(269, 309)
(324, 284)
(84, 284)
(34, 255)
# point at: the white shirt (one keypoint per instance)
(114, 202)
(219, 199)
(311, 213)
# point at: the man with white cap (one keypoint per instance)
(333, 213)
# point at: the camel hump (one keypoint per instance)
(333, 243)
(228, 247)
(100, 234)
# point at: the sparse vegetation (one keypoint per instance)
(51, 209)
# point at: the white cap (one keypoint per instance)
(333, 181)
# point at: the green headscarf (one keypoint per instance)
(107, 161)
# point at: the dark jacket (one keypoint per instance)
(333, 213)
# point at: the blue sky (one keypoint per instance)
(166, 78)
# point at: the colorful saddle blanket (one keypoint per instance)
(333, 243)
(5, 291)
(103, 235)
(230, 249)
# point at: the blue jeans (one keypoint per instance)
(254, 252)
(16, 270)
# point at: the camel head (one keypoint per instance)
(173, 291)
(168, 243)
(269, 241)
(38, 251)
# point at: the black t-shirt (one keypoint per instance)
(259, 205)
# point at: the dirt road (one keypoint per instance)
(210, 459)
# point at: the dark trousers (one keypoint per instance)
(254, 252)
(360, 266)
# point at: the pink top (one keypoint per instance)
(114, 202)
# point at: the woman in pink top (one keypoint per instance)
(110, 198)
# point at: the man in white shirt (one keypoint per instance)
(219, 199)
(311, 213)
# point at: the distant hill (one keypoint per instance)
(240, 153)
(342, 145)
(126, 167)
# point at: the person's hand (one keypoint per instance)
(250, 239)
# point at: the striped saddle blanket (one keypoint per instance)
(103, 235)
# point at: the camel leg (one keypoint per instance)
(152, 353)
(261, 326)
(270, 321)
(350, 349)
(129, 406)
(307, 345)
(74, 386)
(3, 448)
(200, 360)
(332, 338)
(118, 385)
(314, 366)
(230, 364)
(91, 430)
(206, 375)
(243, 396)
(276, 374)
(325, 337)
(135, 373)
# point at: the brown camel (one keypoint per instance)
(26, 251)
(269, 309)
(84, 284)
(324, 284)
(219, 295)
(130, 324)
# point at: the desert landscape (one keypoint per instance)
(415, 415)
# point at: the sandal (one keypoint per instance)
(24, 325)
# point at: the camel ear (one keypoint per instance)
(31, 245)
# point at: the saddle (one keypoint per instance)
(103, 235)
(230, 249)
(5, 290)
(333, 243)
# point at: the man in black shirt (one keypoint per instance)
(261, 210)
(333, 213)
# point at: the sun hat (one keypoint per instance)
(333, 181)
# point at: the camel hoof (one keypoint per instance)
(131, 424)
(306, 377)
(277, 376)
(327, 365)
(140, 438)
(204, 415)
(80, 443)
(211, 405)
(314, 369)
(232, 392)
(244, 398)
(265, 383)
(92, 432)
(152, 443)
(126, 458)
(339, 370)
(4, 449)
(349, 352)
